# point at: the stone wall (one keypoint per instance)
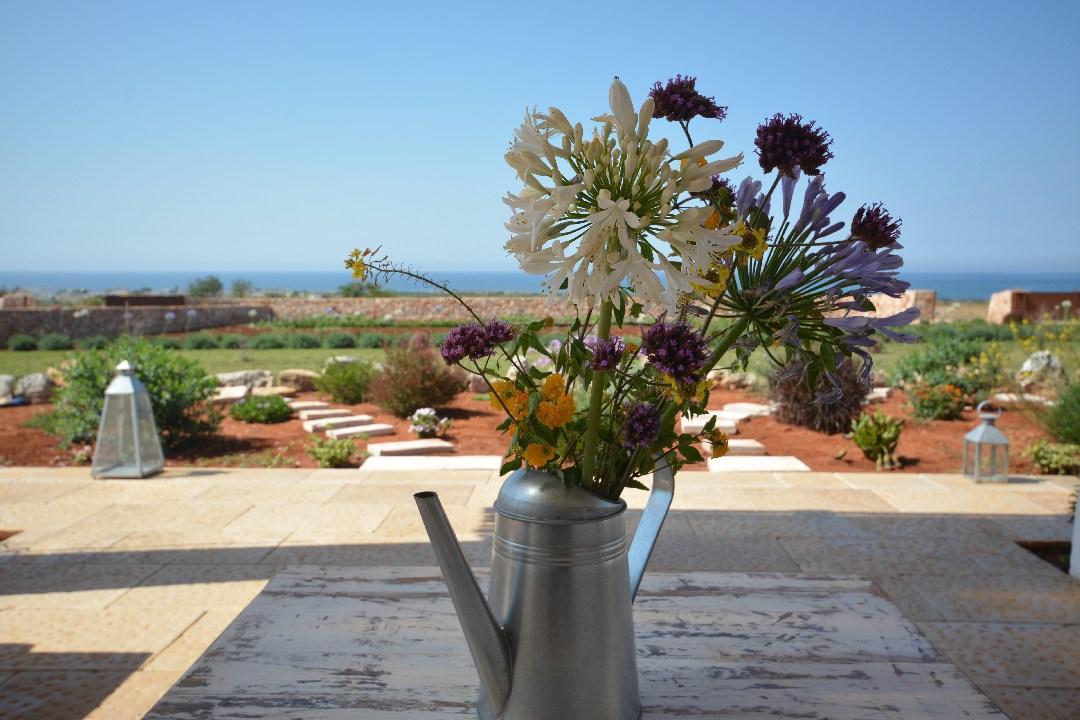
(925, 300)
(111, 321)
(1015, 305)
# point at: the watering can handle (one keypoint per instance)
(648, 529)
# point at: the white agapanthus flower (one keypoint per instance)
(604, 212)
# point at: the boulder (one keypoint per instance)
(229, 394)
(1042, 368)
(56, 376)
(302, 380)
(7, 388)
(36, 387)
(247, 378)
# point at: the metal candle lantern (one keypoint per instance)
(127, 442)
(986, 449)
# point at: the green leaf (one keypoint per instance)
(510, 466)
(636, 484)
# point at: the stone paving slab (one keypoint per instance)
(409, 447)
(761, 463)
(323, 413)
(300, 405)
(1016, 654)
(441, 463)
(370, 430)
(313, 426)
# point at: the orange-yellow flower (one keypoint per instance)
(515, 401)
(720, 443)
(556, 413)
(554, 387)
(538, 454)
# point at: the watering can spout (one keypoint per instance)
(652, 519)
(487, 641)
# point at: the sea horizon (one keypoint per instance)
(948, 285)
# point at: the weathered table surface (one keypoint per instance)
(382, 643)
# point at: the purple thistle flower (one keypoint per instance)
(465, 341)
(641, 426)
(675, 349)
(607, 354)
(679, 101)
(788, 143)
(875, 226)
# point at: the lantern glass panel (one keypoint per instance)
(149, 444)
(114, 453)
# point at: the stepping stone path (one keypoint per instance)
(757, 463)
(278, 390)
(307, 404)
(878, 394)
(738, 447)
(1014, 399)
(409, 447)
(324, 413)
(331, 423)
(725, 422)
(229, 394)
(368, 430)
(748, 409)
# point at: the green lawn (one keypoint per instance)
(213, 361)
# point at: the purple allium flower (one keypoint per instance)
(170, 316)
(679, 101)
(607, 354)
(676, 349)
(474, 341)
(641, 426)
(875, 226)
(788, 143)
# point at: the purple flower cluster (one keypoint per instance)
(607, 354)
(641, 426)
(676, 349)
(788, 143)
(474, 341)
(875, 226)
(679, 101)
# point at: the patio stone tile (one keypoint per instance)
(966, 502)
(873, 481)
(1057, 503)
(729, 479)
(1041, 527)
(212, 549)
(308, 519)
(116, 522)
(812, 481)
(186, 649)
(1002, 598)
(807, 523)
(1008, 558)
(38, 583)
(148, 491)
(39, 490)
(676, 526)
(911, 603)
(1063, 702)
(834, 500)
(867, 556)
(197, 586)
(1019, 703)
(699, 498)
(136, 696)
(725, 554)
(421, 479)
(75, 639)
(395, 494)
(922, 526)
(485, 494)
(404, 524)
(301, 492)
(251, 476)
(417, 553)
(1026, 655)
(66, 694)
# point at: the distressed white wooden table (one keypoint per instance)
(383, 643)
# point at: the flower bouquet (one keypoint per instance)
(671, 270)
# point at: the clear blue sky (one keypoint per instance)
(267, 135)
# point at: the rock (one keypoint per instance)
(1040, 369)
(230, 394)
(56, 376)
(477, 384)
(36, 387)
(334, 423)
(302, 380)
(278, 390)
(340, 360)
(749, 409)
(299, 405)
(249, 378)
(7, 388)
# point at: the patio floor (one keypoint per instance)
(112, 589)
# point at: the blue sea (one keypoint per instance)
(949, 286)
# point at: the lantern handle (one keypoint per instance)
(992, 414)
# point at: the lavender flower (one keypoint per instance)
(641, 426)
(875, 226)
(676, 349)
(788, 143)
(679, 101)
(474, 341)
(817, 204)
(744, 196)
(607, 354)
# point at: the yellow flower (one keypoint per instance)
(753, 241)
(720, 444)
(357, 262)
(554, 387)
(516, 401)
(556, 413)
(714, 282)
(713, 221)
(538, 455)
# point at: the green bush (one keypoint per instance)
(411, 380)
(267, 341)
(346, 382)
(303, 341)
(55, 341)
(94, 342)
(209, 286)
(340, 340)
(978, 330)
(202, 341)
(231, 341)
(936, 402)
(330, 453)
(796, 406)
(877, 436)
(21, 343)
(179, 390)
(948, 361)
(1054, 458)
(372, 340)
(1063, 419)
(168, 343)
(264, 410)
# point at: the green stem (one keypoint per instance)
(726, 341)
(596, 398)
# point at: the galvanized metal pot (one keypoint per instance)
(555, 637)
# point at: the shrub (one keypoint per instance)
(209, 286)
(267, 341)
(22, 343)
(330, 453)
(264, 410)
(94, 342)
(179, 390)
(949, 361)
(346, 382)
(340, 340)
(55, 341)
(241, 288)
(201, 341)
(168, 343)
(231, 341)
(877, 435)
(302, 341)
(1054, 458)
(372, 340)
(1063, 420)
(411, 380)
(936, 402)
(796, 406)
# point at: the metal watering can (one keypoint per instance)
(555, 638)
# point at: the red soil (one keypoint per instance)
(933, 447)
